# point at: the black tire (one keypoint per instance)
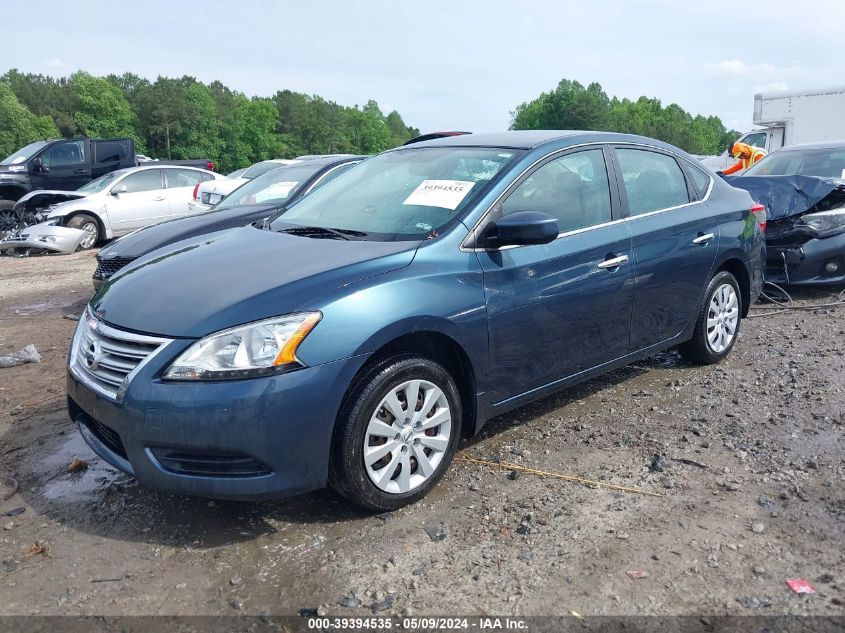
(699, 349)
(89, 224)
(347, 471)
(8, 218)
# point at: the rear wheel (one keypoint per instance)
(397, 433)
(718, 322)
(87, 223)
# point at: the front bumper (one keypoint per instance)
(265, 438)
(59, 239)
(805, 264)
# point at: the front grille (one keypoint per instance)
(107, 267)
(105, 358)
(210, 465)
(106, 435)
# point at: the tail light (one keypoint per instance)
(195, 191)
(759, 212)
(210, 166)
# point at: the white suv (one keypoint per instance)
(127, 199)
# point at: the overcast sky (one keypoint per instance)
(457, 64)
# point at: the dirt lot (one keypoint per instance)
(751, 478)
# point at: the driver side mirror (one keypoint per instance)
(38, 165)
(522, 228)
(118, 190)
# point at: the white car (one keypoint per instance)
(210, 193)
(127, 199)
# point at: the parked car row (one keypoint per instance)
(362, 316)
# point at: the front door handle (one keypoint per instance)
(614, 262)
(703, 239)
(81, 172)
(158, 198)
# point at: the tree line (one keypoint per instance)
(571, 106)
(183, 118)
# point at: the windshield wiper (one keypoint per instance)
(341, 234)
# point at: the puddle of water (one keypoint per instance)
(69, 486)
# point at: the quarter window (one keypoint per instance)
(700, 179)
(147, 180)
(652, 181)
(573, 188)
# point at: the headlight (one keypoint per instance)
(52, 221)
(247, 351)
(16, 168)
(825, 220)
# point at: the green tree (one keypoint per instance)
(101, 109)
(19, 126)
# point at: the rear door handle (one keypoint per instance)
(614, 262)
(158, 198)
(703, 239)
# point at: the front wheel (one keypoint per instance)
(718, 322)
(86, 223)
(8, 218)
(397, 433)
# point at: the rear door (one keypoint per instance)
(560, 308)
(675, 239)
(137, 200)
(180, 184)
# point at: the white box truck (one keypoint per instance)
(788, 118)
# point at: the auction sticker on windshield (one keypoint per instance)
(278, 190)
(440, 193)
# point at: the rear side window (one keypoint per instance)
(111, 151)
(147, 180)
(182, 178)
(573, 188)
(652, 181)
(204, 176)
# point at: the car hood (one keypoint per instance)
(150, 238)
(788, 196)
(54, 196)
(220, 280)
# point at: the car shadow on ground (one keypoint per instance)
(103, 502)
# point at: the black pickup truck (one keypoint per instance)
(67, 164)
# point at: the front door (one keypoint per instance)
(65, 167)
(137, 200)
(675, 239)
(557, 309)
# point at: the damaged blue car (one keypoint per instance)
(355, 339)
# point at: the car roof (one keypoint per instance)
(816, 145)
(327, 160)
(528, 139)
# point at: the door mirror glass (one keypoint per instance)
(118, 190)
(521, 228)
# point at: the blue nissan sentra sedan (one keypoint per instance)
(354, 339)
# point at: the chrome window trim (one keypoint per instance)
(466, 249)
(100, 327)
(335, 168)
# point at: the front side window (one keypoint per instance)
(64, 154)
(573, 188)
(406, 194)
(652, 181)
(147, 180)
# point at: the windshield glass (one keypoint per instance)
(23, 154)
(826, 163)
(96, 186)
(260, 168)
(274, 187)
(401, 195)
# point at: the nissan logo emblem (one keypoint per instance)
(93, 355)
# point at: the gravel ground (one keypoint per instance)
(746, 457)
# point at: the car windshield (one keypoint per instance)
(260, 168)
(826, 163)
(96, 186)
(274, 187)
(23, 154)
(401, 195)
